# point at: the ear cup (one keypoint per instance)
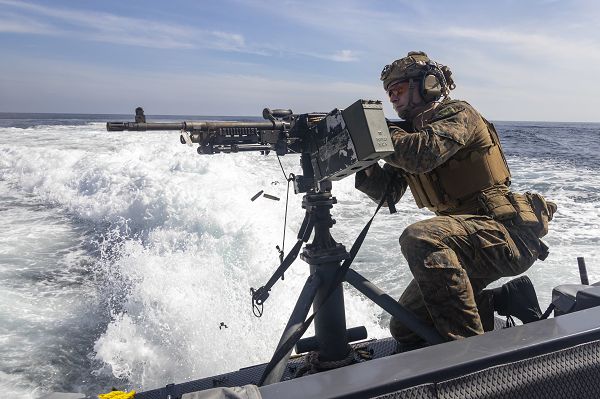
(431, 88)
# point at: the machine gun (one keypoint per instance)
(332, 145)
(335, 144)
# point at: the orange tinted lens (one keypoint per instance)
(397, 91)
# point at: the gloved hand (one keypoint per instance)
(371, 169)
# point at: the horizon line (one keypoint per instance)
(246, 116)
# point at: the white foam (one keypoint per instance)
(183, 242)
(16, 386)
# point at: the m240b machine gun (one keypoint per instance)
(332, 146)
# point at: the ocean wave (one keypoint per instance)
(175, 243)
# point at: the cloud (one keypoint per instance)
(503, 59)
(528, 43)
(116, 29)
(111, 28)
(14, 23)
(88, 88)
(343, 18)
(548, 30)
(234, 39)
(345, 56)
(338, 56)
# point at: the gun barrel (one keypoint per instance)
(193, 126)
(143, 127)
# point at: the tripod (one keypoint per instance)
(324, 291)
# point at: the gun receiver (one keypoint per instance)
(227, 137)
(338, 143)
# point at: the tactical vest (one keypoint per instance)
(455, 185)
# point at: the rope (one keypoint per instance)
(313, 365)
(548, 311)
(287, 198)
(117, 395)
(260, 295)
(257, 309)
(281, 166)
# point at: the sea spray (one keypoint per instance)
(122, 254)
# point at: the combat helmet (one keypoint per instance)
(434, 80)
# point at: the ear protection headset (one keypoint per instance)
(433, 84)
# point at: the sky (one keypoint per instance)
(535, 60)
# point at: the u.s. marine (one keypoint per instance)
(451, 159)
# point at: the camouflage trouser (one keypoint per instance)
(452, 259)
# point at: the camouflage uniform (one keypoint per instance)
(456, 254)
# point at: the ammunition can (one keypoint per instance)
(350, 140)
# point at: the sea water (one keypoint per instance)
(126, 258)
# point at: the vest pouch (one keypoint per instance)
(525, 216)
(497, 205)
(544, 211)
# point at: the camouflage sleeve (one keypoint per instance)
(436, 142)
(374, 186)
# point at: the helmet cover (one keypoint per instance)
(413, 66)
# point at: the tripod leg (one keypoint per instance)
(390, 305)
(298, 316)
